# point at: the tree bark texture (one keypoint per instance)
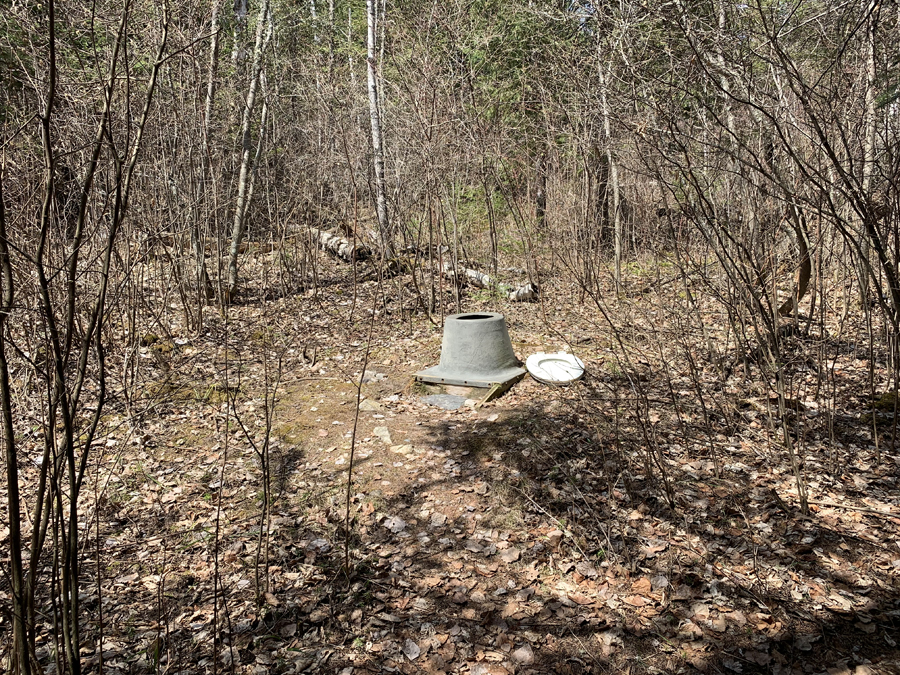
(263, 34)
(381, 211)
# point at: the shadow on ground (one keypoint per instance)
(609, 528)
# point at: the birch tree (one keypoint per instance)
(381, 211)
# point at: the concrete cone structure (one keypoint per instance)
(475, 352)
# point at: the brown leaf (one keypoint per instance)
(737, 617)
(492, 655)
(509, 610)
(580, 599)
(651, 550)
(700, 611)
(487, 669)
(435, 664)
(642, 585)
(689, 630)
(532, 573)
(524, 594)
(683, 592)
(554, 537)
(510, 555)
(487, 570)
(585, 569)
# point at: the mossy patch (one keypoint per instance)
(882, 407)
(886, 402)
(163, 347)
(291, 432)
(170, 390)
(417, 388)
(216, 393)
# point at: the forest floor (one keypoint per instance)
(643, 520)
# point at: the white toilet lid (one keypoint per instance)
(559, 368)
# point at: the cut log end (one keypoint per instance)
(343, 248)
(529, 292)
(526, 293)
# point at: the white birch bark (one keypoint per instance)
(387, 244)
(339, 246)
(527, 292)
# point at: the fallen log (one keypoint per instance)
(339, 246)
(476, 278)
(526, 293)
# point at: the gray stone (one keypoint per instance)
(445, 401)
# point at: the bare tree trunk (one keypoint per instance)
(330, 40)
(349, 49)
(20, 601)
(68, 365)
(263, 118)
(613, 171)
(205, 288)
(384, 227)
(723, 79)
(540, 190)
(868, 149)
(263, 34)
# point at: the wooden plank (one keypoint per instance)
(498, 389)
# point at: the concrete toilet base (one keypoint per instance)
(476, 352)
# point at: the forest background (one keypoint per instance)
(219, 221)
